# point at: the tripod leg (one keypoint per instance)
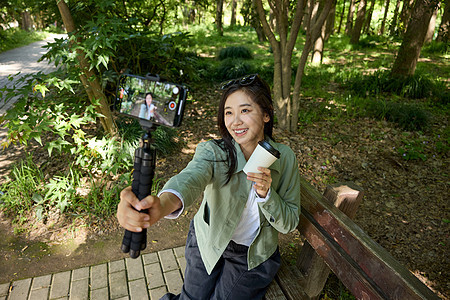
(139, 239)
(127, 238)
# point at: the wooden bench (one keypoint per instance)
(334, 241)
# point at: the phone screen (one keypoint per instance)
(150, 99)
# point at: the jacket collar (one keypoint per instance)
(241, 159)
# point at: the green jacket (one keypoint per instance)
(222, 205)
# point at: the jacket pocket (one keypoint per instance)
(206, 213)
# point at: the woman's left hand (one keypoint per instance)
(262, 181)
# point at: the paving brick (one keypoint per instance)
(4, 288)
(150, 258)
(168, 261)
(39, 294)
(182, 264)
(79, 289)
(118, 284)
(100, 294)
(81, 273)
(116, 266)
(174, 281)
(154, 275)
(60, 285)
(179, 251)
(41, 282)
(157, 293)
(138, 289)
(135, 269)
(20, 289)
(99, 276)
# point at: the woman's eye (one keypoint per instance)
(245, 110)
(227, 113)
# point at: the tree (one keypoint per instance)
(393, 26)
(324, 35)
(233, 13)
(383, 22)
(286, 108)
(445, 24)
(406, 61)
(369, 17)
(219, 16)
(88, 77)
(342, 17)
(431, 26)
(360, 15)
(351, 12)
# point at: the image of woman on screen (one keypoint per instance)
(147, 109)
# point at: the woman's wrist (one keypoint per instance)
(169, 203)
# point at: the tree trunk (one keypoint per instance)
(256, 23)
(26, 22)
(369, 18)
(405, 14)
(219, 14)
(282, 54)
(329, 29)
(360, 15)
(342, 17)
(393, 26)
(324, 34)
(431, 27)
(233, 13)
(311, 34)
(88, 77)
(351, 12)
(445, 24)
(406, 61)
(386, 10)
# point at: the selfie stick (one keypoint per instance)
(144, 170)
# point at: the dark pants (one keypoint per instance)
(230, 278)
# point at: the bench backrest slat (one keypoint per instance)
(352, 254)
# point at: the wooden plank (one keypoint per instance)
(290, 282)
(347, 198)
(274, 292)
(360, 252)
(350, 275)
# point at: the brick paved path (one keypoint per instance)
(24, 60)
(148, 277)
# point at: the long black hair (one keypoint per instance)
(258, 90)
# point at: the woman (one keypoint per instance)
(148, 108)
(232, 245)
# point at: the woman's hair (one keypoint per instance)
(258, 90)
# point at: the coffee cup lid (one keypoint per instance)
(266, 145)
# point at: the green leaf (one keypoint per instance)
(37, 198)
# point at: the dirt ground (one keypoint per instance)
(405, 208)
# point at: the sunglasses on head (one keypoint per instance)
(243, 81)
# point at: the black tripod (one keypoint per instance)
(144, 170)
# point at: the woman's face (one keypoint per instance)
(245, 121)
(148, 99)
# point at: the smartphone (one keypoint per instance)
(151, 99)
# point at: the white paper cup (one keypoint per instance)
(263, 156)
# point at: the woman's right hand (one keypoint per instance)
(128, 209)
(129, 206)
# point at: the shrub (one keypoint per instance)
(233, 68)
(415, 87)
(235, 52)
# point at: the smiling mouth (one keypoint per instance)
(240, 131)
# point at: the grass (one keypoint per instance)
(15, 37)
